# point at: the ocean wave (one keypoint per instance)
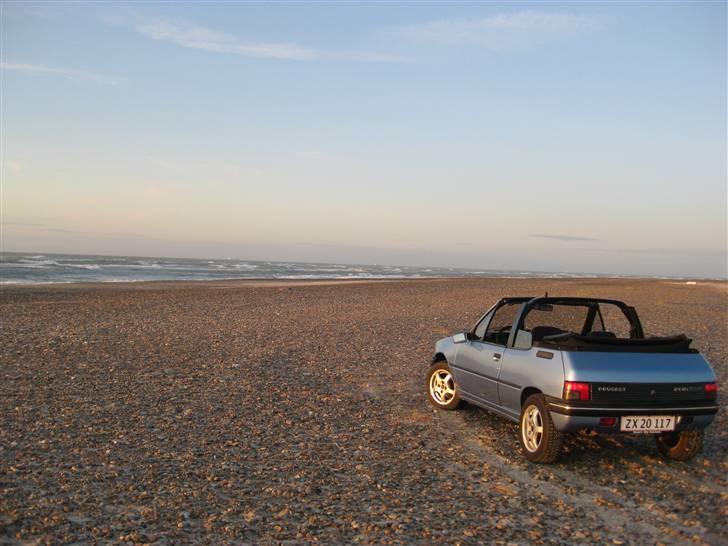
(24, 268)
(372, 276)
(90, 267)
(38, 263)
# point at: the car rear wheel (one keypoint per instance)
(540, 441)
(441, 389)
(680, 446)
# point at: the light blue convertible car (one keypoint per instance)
(558, 365)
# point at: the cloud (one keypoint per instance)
(567, 238)
(497, 32)
(50, 228)
(101, 79)
(205, 39)
(664, 251)
(195, 37)
(14, 166)
(26, 224)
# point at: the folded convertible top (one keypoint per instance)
(670, 344)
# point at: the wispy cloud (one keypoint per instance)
(13, 166)
(665, 251)
(101, 79)
(40, 226)
(195, 37)
(25, 224)
(501, 31)
(206, 39)
(567, 238)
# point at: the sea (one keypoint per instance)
(30, 268)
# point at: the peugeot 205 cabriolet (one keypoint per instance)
(558, 365)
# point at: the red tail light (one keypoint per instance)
(711, 391)
(576, 391)
(607, 421)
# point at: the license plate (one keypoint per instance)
(647, 424)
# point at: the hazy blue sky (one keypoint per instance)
(586, 137)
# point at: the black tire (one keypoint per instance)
(539, 446)
(440, 386)
(680, 446)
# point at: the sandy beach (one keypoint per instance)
(289, 412)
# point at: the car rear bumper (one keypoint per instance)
(571, 418)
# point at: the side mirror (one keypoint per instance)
(524, 340)
(459, 338)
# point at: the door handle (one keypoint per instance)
(496, 356)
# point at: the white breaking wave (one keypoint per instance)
(24, 268)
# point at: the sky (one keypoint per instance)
(542, 136)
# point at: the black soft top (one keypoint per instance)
(583, 341)
(669, 344)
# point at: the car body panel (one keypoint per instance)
(636, 367)
(489, 405)
(445, 348)
(522, 369)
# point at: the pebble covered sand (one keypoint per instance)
(266, 413)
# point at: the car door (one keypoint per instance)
(478, 361)
(478, 365)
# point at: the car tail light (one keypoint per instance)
(607, 421)
(711, 391)
(576, 391)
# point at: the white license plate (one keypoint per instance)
(647, 424)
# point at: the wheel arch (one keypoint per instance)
(528, 391)
(439, 357)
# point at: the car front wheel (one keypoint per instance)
(441, 389)
(540, 441)
(680, 446)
